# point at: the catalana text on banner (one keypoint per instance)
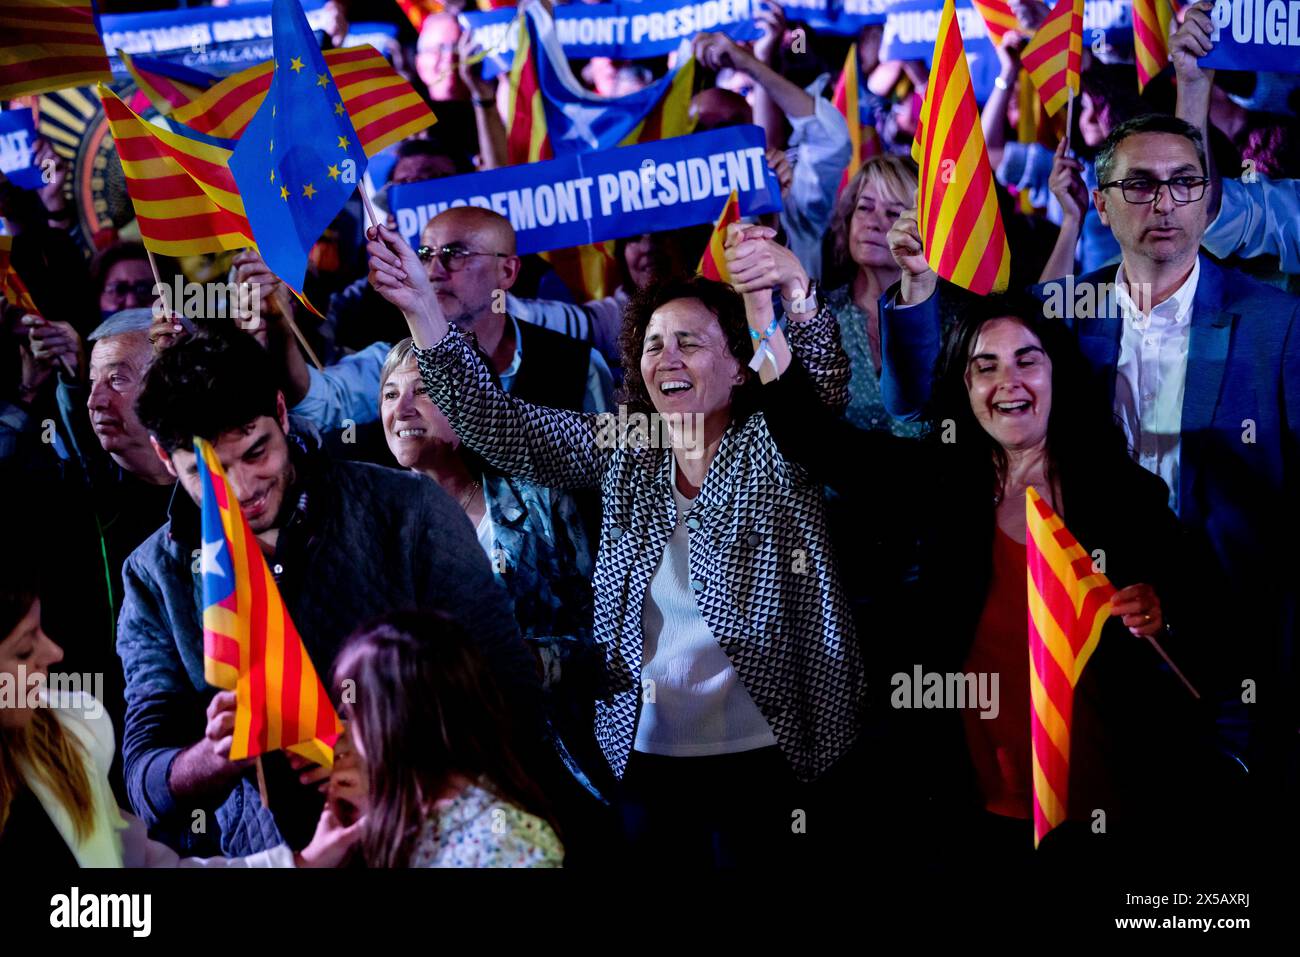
(621, 31)
(590, 197)
(215, 39)
(1255, 35)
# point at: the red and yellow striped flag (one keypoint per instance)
(49, 45)
(250, 645)
(1054, 57)
(12, 286)
(185, 198)
(382, 105)
(163, 91)
(957, 204)
(1069, 602)
(863, 140)
(713, 265)
(527, 140)
(998, 18)
(1151, 19)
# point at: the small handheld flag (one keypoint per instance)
(185, 199)
(49, 45)
(956, 201)
(300, 159)
(383, 106)
(165, 84)
(1151, 20)
(250, 645)
(1069, 602)
(713, 264)
(863, 141)
(12, 286)
(1054, 57)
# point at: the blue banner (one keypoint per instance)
(625, 30)
(18, 149)
(219, 40)
(912, 25)
(591, 197)
(843, 17)
(1255, 35)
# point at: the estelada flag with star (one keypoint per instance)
(250, 645)
(300, 158)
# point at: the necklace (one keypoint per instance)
(469, 496)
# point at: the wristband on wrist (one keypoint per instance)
(803, 305)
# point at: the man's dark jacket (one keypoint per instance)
(369, 541)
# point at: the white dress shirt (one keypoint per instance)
(1152, 376)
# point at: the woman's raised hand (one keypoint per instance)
(398, 275)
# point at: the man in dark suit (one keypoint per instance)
(1203, 366)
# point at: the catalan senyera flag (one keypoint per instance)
(998, 18)
(1069, 602)
(1054, 57)
(1151, 19)
(12, 286)
(383, 106)
(957, 204)
(185, 198)
(49, 45)
(713, 265)
(166, 85)
(250, 644)
(862, 139)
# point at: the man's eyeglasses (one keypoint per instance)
(1141, 190)
(452, 257)
(122, 288)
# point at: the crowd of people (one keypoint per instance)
(683, 650)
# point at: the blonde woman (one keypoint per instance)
(868, 207)
(57, 809)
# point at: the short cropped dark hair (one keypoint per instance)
(1146, 123)
(720, 299)
(210, 384)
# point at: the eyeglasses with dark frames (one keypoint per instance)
(452, 256)
(1141, 190)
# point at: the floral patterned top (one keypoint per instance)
(475, 828)
(866, 404)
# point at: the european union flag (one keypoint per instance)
(299, 158)
(577, 120)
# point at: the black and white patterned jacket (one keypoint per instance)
(760, 556)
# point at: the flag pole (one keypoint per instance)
(261, 783)
(1173, 667)
(1069, 116)
(370, 209)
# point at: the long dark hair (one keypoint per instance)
(1082, 432)
(424, 707)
